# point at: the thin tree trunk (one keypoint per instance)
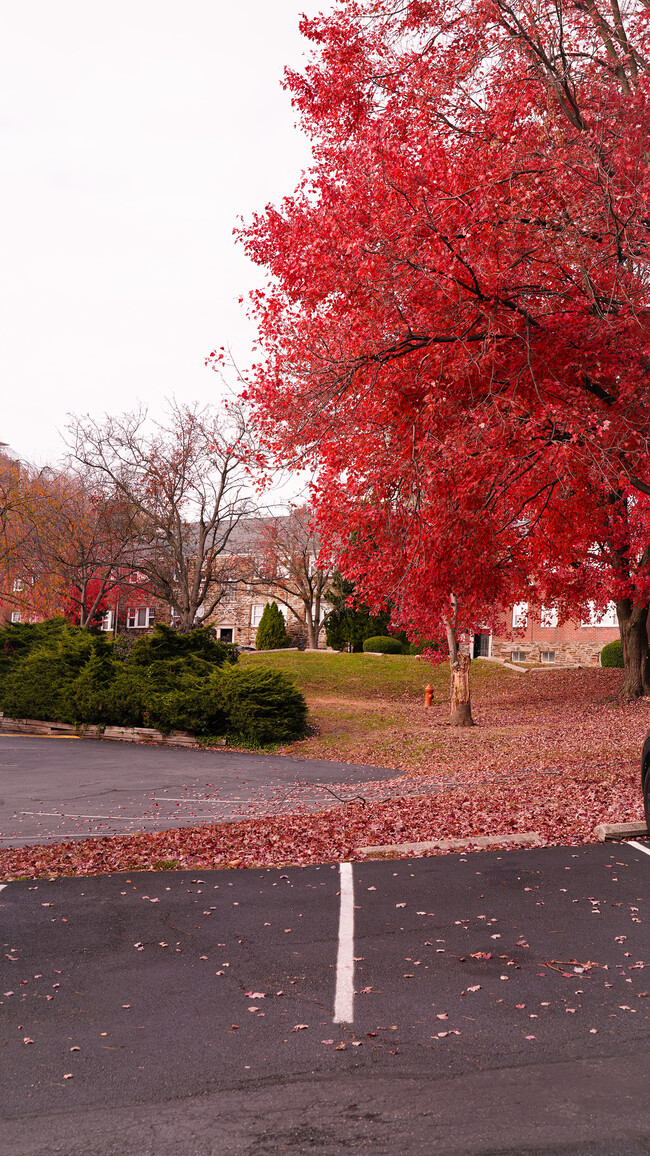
(312, 637)
(461, 705)
(633, 625)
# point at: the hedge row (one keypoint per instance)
(169, 681)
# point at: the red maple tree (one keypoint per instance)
(456, 324)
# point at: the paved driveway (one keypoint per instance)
(479, 1003)
(53, 789)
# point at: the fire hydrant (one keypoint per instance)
(428, 695)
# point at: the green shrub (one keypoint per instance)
(418, 647)
(85, 698)
(262, 704)
(382, 645)
(38, 686)
(191, 701)
(271, 632)
(21, 638)
(166, 644)
(612, 654)
(125, 698)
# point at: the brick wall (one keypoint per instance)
(572, 643)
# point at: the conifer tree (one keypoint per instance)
(271, 632)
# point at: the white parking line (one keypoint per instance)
(344, 995)
(2, 886)
(638, 846)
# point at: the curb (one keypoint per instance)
(609, 832)
(527, 839)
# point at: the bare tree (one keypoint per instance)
(287, 565)
(82, 544)
(186, 481)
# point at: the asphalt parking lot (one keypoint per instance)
(53, 789)
(477, 1003)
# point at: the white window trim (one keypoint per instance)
(257, 610)
(15, 617)
(548, 617)
(609, 613)
(106, 623)
(519, 615)
(134, 612)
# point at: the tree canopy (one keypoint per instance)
(456, 323)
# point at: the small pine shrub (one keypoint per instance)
(263, 705)
(38, 686)
(166, 644)
(418, 647)
(125, 699)
(271, 632)
(21, 638)
(85, 697)
(612, 654)
(192, 704)
(382, 645)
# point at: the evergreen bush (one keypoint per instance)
(612, 654)
(263, 705)
(271, 632)
(38, 686)
(21, 638)
(196, 706)
(165, 643)
(124, 700)
(85, 698)
(382, 645)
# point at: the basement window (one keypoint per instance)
(518, 656)
(547, 656)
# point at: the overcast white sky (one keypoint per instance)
(134, 135)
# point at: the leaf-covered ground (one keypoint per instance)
(553, 753)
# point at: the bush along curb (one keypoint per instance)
(29, 726)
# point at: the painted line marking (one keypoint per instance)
(344, 996)
(2, 886)
(638, 846)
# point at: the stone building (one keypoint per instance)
(529, 634)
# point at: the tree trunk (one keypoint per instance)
(633, 625)
(312, 637)
(461, 706)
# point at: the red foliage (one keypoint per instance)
(457, 324)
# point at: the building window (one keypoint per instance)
(518, 656)
(519, 615)
(15, 615)
(547, 656)
(19, 585)
(608, 617)
(106, 623)
(257, 611)
(225, 634)
(140, 618)
(548, 616)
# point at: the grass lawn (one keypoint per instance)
(366, 709)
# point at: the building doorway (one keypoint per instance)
(482, 645)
